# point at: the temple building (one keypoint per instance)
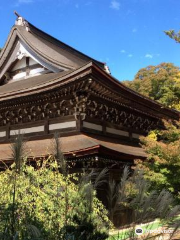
(47, 86)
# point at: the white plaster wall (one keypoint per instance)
(19, 75)
(32, 62)
(55, 126)
(36, 71)
(117, 132)
(2, 134)
(92, 126)
(20, 64)
(135, 135)
(27, 130)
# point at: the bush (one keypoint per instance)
(44, 204)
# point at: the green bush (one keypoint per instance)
(45, 204)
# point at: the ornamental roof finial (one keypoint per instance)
(20, 21)
(106, 68)
(17, 14)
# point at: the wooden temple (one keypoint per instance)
(47, 86)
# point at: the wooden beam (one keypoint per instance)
(27, 66)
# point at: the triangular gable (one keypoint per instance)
(23, 64)
(26, 41)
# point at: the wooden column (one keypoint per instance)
(8, 131)
(104, 128)
(27, 66)
(79, 124)
(46, 127)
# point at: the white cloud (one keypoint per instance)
(115, 5)
(123, 51)
(130, 55)
(134, 30)
(148, 55)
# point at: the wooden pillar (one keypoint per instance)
(130, 136)
(8, 131)
(46, 127)
(27, 66)
(79, 124)
(104, 128)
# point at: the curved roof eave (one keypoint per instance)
(68, 48)
(57, 80)
(145, 100)
(46, 47)
(16, 35)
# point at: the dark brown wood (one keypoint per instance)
(8, 131)
(79, 125)
(46, 127)
(80, 101)
(85, 94)
(27, 66)
(25, 69)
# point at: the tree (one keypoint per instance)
(162, 166)
(161, 83)
(172, 34)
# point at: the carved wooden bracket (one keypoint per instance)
(79, 102)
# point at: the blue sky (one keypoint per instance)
(126, 34)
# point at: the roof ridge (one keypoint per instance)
(30, 27)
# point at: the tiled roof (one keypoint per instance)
(30, 82)
(74, 145)
(46, 47)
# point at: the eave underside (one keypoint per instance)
(94, 81)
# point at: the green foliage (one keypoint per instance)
(41, 203)
(134, 193)
(160, 83)
(44, 203)
(48, 203)
(172, 34)
(162, 167)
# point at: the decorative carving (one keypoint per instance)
(80, 104)
(120, 117)
(22, 22)
(76, 100)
